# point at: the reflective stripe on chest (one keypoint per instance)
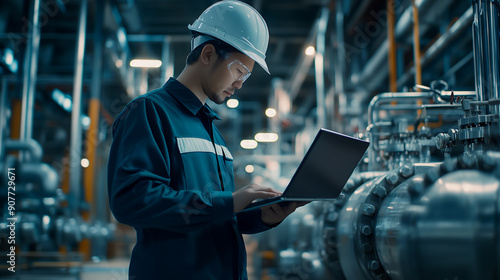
(193, 145)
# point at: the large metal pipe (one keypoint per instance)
(387, 97)
(391, 19)
(30, 145)
(339, 36)
(91, 185)
(339, 70)
(319, 67)
(167, 69)
(76, 127)
(3, 113)
(486, 46)
(416, 45)
(448, 232)
(29, 72)
(374, 103)
(303, 65)
(41, 173)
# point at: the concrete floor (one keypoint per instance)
(105, 270)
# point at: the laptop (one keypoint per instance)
(323, 171)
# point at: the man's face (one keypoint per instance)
(226, 76)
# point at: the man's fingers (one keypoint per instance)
(277, 209)
(291, 207)
(302, 203)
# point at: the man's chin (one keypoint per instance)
(218, 99)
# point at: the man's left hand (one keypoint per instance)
(275, 213)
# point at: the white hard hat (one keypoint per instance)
(237, 24)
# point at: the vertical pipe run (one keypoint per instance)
(340, 68)
(144, 81)
(76, 125)
(476, 46)
(486, 30)
(29, 73)
(480, 51)
(3, 113)
(341, 56)
(320, 69)
(168, 59)
(91, 185)
(391, 21)
(493, 9)
(416, 46)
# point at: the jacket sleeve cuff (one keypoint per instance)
(222, 203)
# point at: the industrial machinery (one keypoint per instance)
(35, 218)
(38, 229)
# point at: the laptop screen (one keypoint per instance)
(327, 166)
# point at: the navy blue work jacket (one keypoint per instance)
(170, 176)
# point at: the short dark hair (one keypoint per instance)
(221, 48)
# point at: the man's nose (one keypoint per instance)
(238, 84)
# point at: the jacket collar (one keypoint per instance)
(187, 98)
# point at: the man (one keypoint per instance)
(170, 175)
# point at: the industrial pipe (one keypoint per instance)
(319, 67)
(373, 107)
(167, 53)
(485, 30)
(30, 145)
(416, 46)
(391, 19)
(442, 224)
(393, 96)
(42, 173)
(443, 42)
(341, 55)
(29, 73)
(303, 65)
(375, 69)
(76, 128)
(98, 248)
(3, 117)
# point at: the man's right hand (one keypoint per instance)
(247, 194)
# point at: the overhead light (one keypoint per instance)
(121, 35)
(266, 137)
(310, 50)
(67, 104)
(249, 168)
(232, 103)
(119, 63)
(145, 63)
(85, 162)
(271, 112)
(85, 121)
(249, 144)
(7, 60)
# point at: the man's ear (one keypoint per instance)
(208, 54)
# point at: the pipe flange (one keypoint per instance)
(329, 253)
(369, 210)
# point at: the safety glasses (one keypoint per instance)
(238, 70)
